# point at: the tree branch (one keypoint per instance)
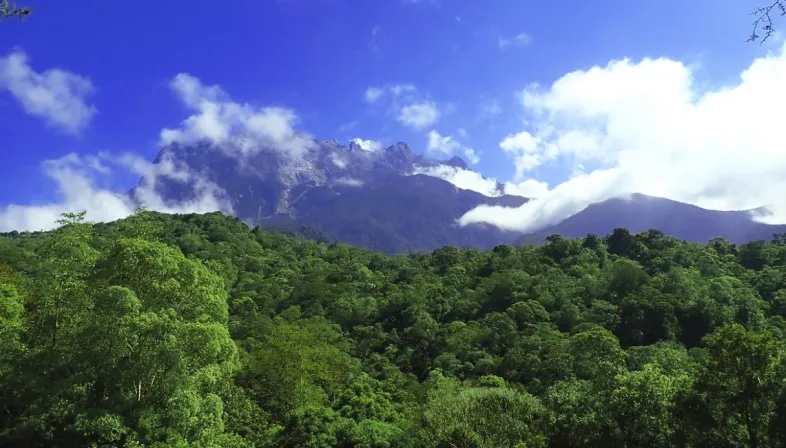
(763, 22)
(10, 10)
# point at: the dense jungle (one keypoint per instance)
(195, 330)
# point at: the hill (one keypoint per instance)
(638, 213)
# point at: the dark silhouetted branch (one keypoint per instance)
(763, 22)
(10, 10)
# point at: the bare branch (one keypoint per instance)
(763, 22)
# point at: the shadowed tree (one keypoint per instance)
(763, 23)
(11, 10)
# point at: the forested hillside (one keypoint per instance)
(195, 331)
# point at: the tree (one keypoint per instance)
(457, 415)
(11, 10)
(741, 380)
(643, 404)
(142, 343)
(763, 22)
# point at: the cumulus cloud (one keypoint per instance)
(367, 145)
(441, 144)
(447, 145)
(648, 127)
(82, 183)
(239, 129)
(461, 178)
(524, 150)
(519, 40)
(473, 157)
(56, 95)
(419, 115)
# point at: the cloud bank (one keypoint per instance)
(57, 96)
(239, 129)
(419, 115)
(648, 127)
(461, 178)
(82, 183)
(367, 145)
(447, 145)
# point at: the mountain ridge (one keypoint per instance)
(384, 199)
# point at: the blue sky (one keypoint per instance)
(467, 60)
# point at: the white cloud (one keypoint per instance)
(373, 94)
(461, 178)
(410, 107)
(647, 127)
(81, 185)
(441, 144)
(367, 145)
(400, 89)
(447, 145)
(56, 95)
(338, 160)
(419, 115)
(528, 188)
(349, 182)
(473, 157)
(523, 148)
(519, 40)
(239, 129)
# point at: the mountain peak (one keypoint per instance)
(400, 148)
(458, 162)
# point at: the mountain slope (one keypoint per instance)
(398, 214)
(372, 199)
(641, 212)
(367, 198)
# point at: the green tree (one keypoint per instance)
(642, 405)
(740, 380)
(457, 415)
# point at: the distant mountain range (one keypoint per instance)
(640, 212)
(374, 199)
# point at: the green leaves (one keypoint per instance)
(119, 335)
(457, 415)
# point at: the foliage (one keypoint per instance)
(194, 330)
(11, 10)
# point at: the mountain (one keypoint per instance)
(639, 212)
(368, 198)
(376, 199)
